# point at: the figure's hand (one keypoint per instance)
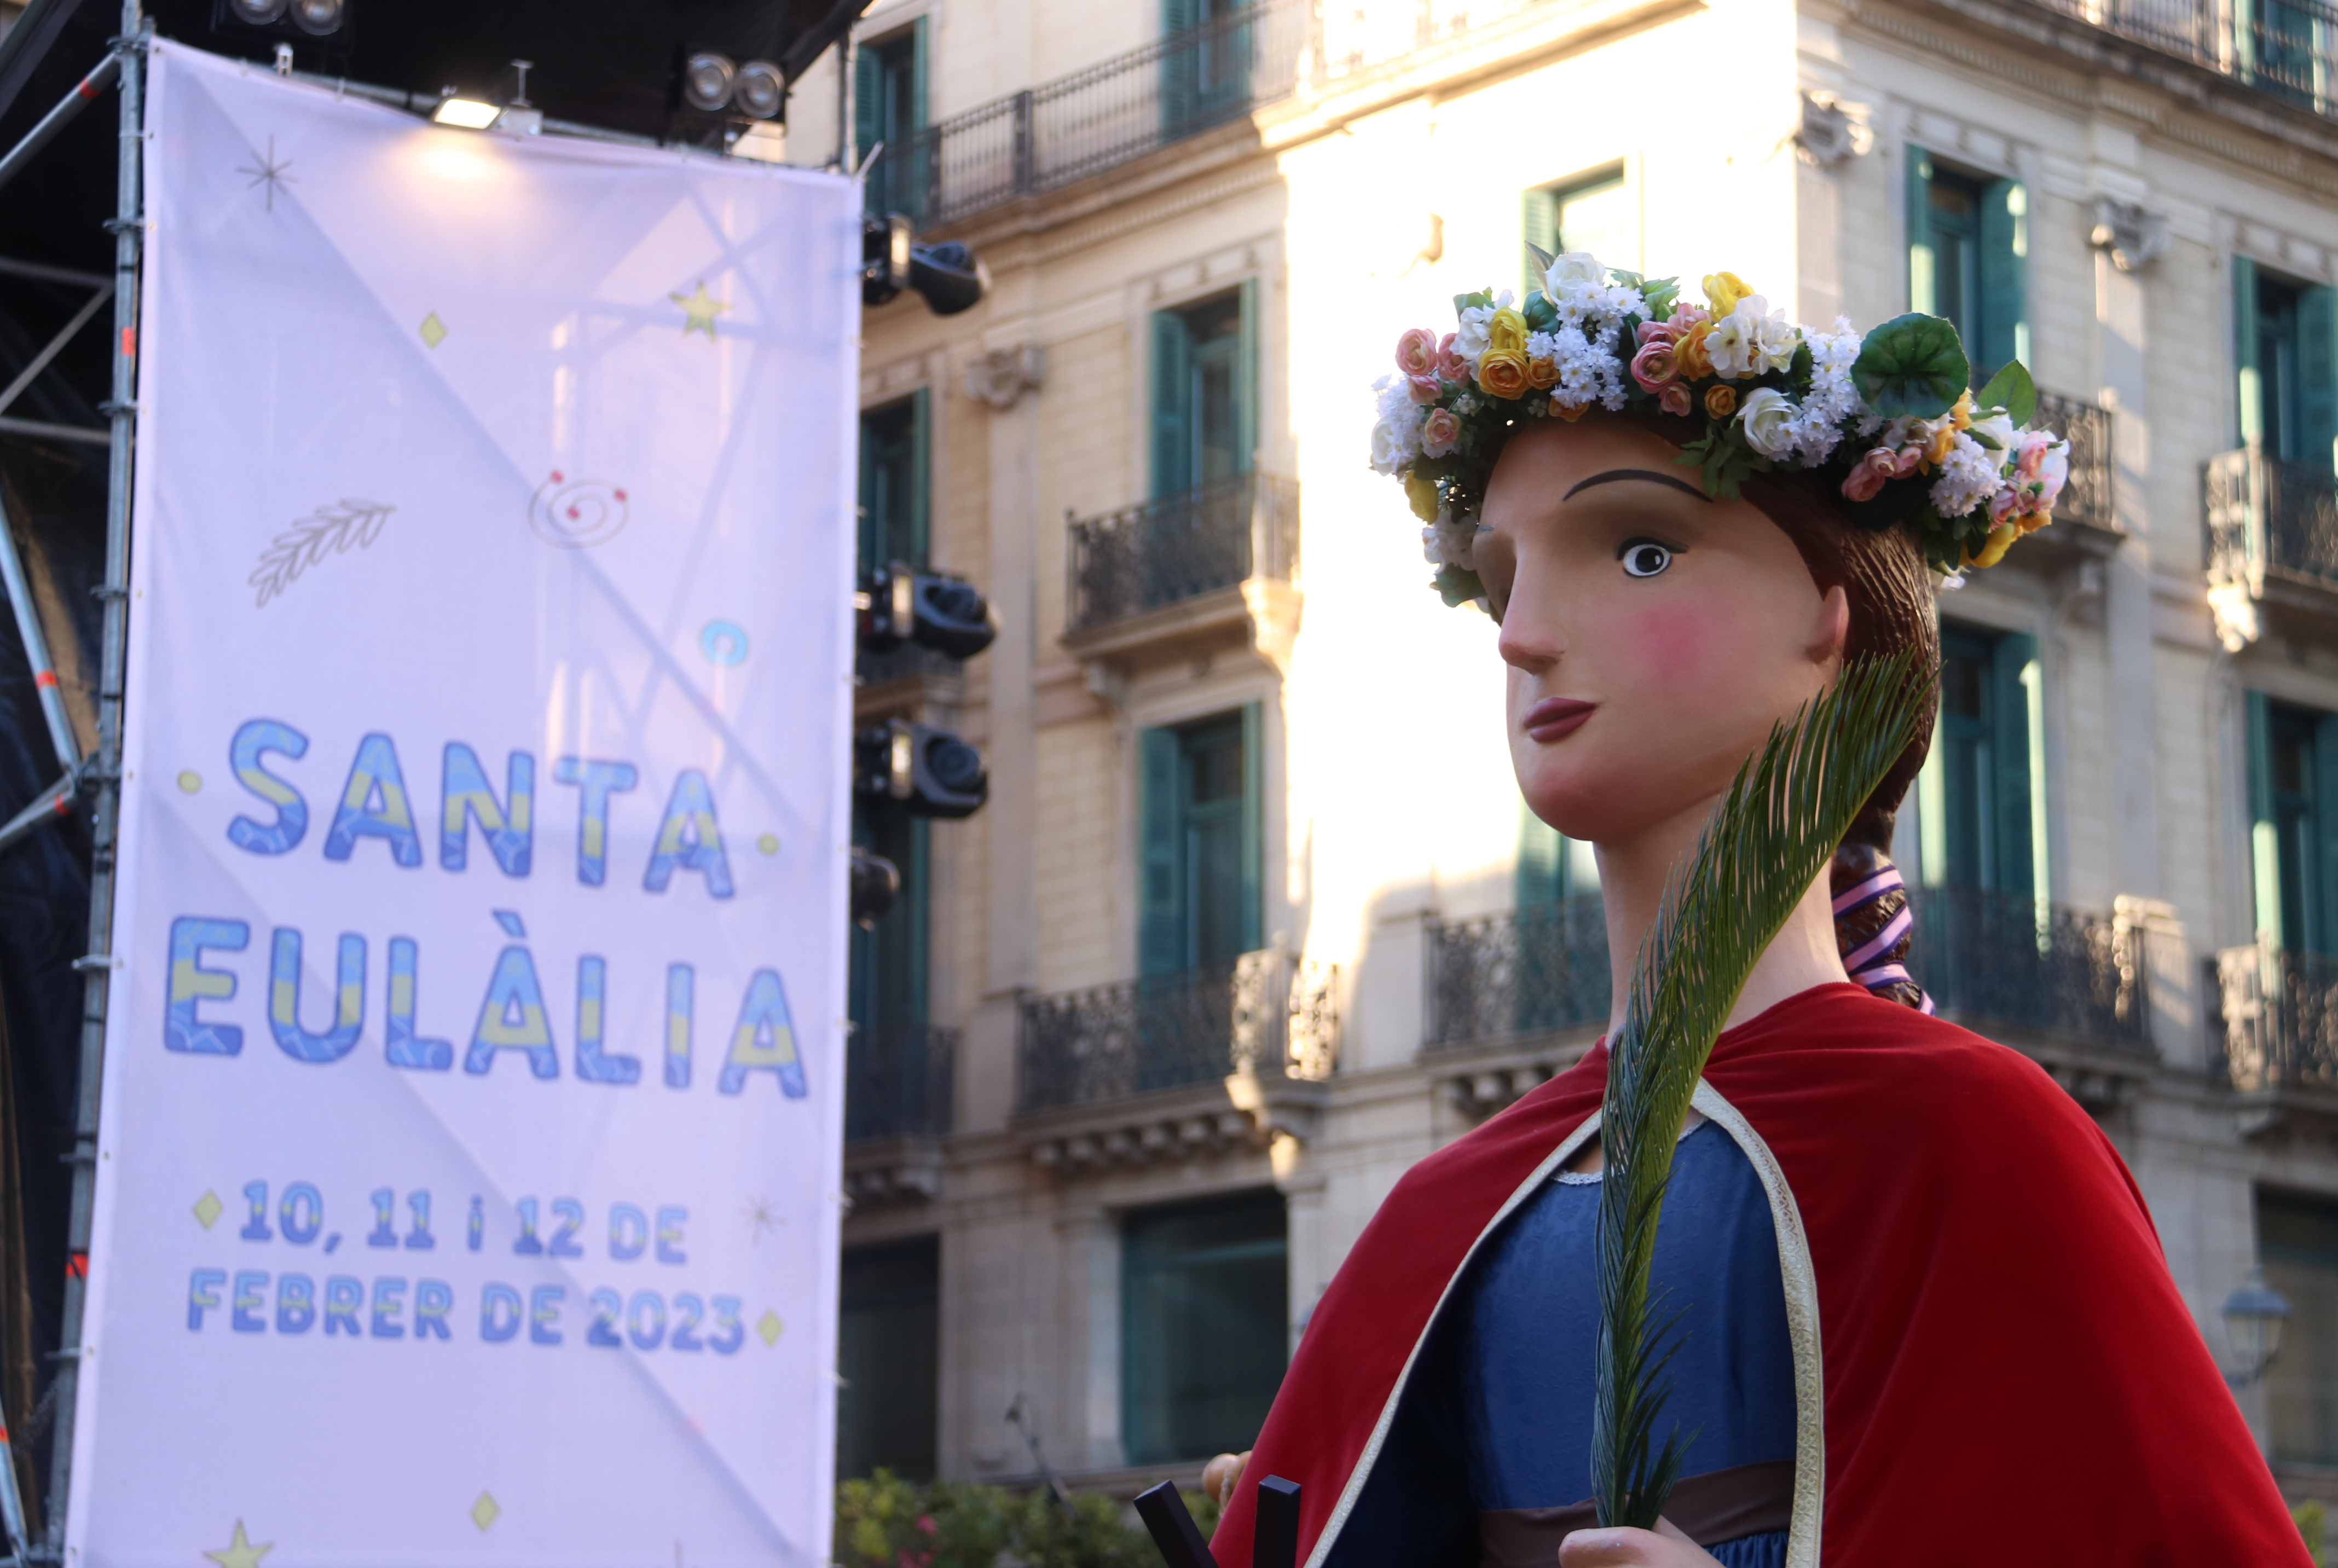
(1663, 1547)
(1222, 1474)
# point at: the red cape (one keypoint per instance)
(2010, 1377)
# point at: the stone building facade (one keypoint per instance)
(1252, 920)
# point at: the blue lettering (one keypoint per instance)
(510, 829)
(252, 740)
(689, 838)
(373, 805)
(596, 781)
(284, 999)
(202, 1296)
(191, 983)
(764, 1039)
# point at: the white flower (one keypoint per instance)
(1767, 415)
(1575, 269)
(1996, 433)
(1396, 433)
(1457, 539)
(1752, 338)
(1776, 339)
(1968, 478)
(1470, 341)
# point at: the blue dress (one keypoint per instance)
(1488, 1460)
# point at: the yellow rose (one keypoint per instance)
(1960, 416)
(1501, 374)
(1688, 353)
(1421, 491)
(1506, 331)
(1936, 452)
(1722, 290)
(1992, 551)
(1721, 402)
(1543, 374)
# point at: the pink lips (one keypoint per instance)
(1554, 719)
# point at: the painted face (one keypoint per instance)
(1652, 636)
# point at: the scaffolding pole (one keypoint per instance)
(104, 774)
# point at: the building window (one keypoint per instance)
(888, 105)
(1968, 258)
(1206, 64)
(1598, 212)
(1205, 1294)
(895, 483)
(1552, 868)
(2287, 347)
(1978, 798)
(2294, 823)
(1201, 815)
(2297, 1242)
(1205, 391)
(889, 1358)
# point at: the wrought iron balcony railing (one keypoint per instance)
(1266, 1013)
(1989, 959)
(1524, 973)
(2286, 48)
(898, 1083)
(1047, 137)
(1182, 546)
(2269, 518)
(1985, 958)
(2086, 493)
(2278, 1013)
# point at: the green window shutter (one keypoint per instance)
(2249, 373)
(1246, 384)
(868, 102)
(1541, 227)
(1923, 293)
(1161, 869)
(2004, 260)
(1253, 827)
(2009, 801)
(921, 435)
(2317, 375)
(1539, 878)
(2325, 826)
(1172, 404)
(2264, 832)
(915, 119)
(1180, 63)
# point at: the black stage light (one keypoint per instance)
(947, 614)
(319, 18)
(948, 275)
(930, 771)
(876, 882)
(885, 245)
(707, 80)
(760, 93)
(255, 13)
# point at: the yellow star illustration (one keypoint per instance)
(701, 308)
(240, 1552)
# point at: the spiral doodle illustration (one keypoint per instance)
(576, 512)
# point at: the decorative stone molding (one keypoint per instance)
(893, 1170)
(1479, 1095)
(1828, 134)
(2133, 234)
(1133, 1139)
(1001, 377)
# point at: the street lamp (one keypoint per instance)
(2253, 1315)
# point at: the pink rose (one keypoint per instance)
(1655, 366)
(1450, 366)
(1439, 432)
(1415, 352)
(1685, 316)
(1650, 332)
(1425, 388)
(1674, 399)
(1868, 476)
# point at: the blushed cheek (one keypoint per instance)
(1676, 642)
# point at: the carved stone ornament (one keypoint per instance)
(1828, 134)
(2135, 236)
(1001, 377)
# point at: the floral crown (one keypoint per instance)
(1891, 413)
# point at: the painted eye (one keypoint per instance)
(1645, 558)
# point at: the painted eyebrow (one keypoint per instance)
(1613, 475)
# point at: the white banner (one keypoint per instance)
(472, 1109)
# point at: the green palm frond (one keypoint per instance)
(1786, 812)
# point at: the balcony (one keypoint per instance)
(899, 1089)
(2273, 542)
(2277, 1022)
(2286, 49)
(2087, 499)
(1516, 997)
(1216, 563)
(1227, 1056)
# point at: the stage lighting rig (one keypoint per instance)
(950, 276)
(712, 82)
(930, 772)
(932, 608)
(321, 25)
(875, 882)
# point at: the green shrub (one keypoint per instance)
(886, 1522)
(2311, 1524)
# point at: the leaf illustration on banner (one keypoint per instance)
(332, 529)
